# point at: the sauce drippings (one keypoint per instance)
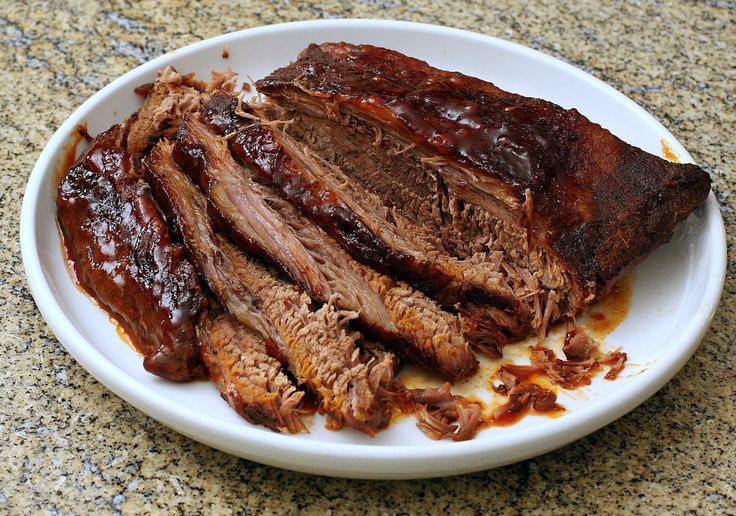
(667, 151)
(601, 320)
(509, 414)
(78, 134)
(604, 316)
(123, 335)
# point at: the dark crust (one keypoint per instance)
(124, 257)
(598, 202)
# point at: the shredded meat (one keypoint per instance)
(578, 344)
(167, 100)
(617, 361)
(512, 375)
(523, 394)
(581, 363)
(526, 396)
(442, 414)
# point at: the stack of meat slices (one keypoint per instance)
(372, 210)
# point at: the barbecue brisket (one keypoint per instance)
(249, 379)
(486, 170)
(414, 326)
(313, 343)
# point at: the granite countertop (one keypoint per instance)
(70, 445)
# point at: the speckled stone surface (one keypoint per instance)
(70, 446)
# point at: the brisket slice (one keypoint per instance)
(320, 352)
(242, 211)
(373, 234)
(313, 344)
(488, 169)
(186, 209)
(166, 100)
(123, 256)
(249, 379)
(413, 325)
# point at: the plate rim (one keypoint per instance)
(207, 430)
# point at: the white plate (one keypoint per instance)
(675, 294)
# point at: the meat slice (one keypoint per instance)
(187, 211)
(484, 169)
(124, 257)
(392, 312)
(321, 353)
(313, 344)
(247, 217)
(355, 217)
(426, 335)
(249, 379)
(169, 98)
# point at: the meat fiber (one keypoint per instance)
(186, 209)
(582, 360)
(169, 98)
(441, 414)
(490, 312)
(249, 379)
(123, 256)
(412, 324)
(570, 206)
(320, 352)
(313, 343)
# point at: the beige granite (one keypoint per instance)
(70, 446)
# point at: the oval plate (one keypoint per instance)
(676, 291)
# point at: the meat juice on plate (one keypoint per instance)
(602, 318)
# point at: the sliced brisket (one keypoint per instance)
(249, 379)
(414, 326)
(320, 352)
(313, 344)
(371, 233)
(186, 209)
(484, 169)
(123, 256)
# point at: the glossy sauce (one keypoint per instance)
(78, 134)
(119, 329)
(110, 226)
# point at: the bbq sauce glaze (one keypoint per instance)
(123, 257)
